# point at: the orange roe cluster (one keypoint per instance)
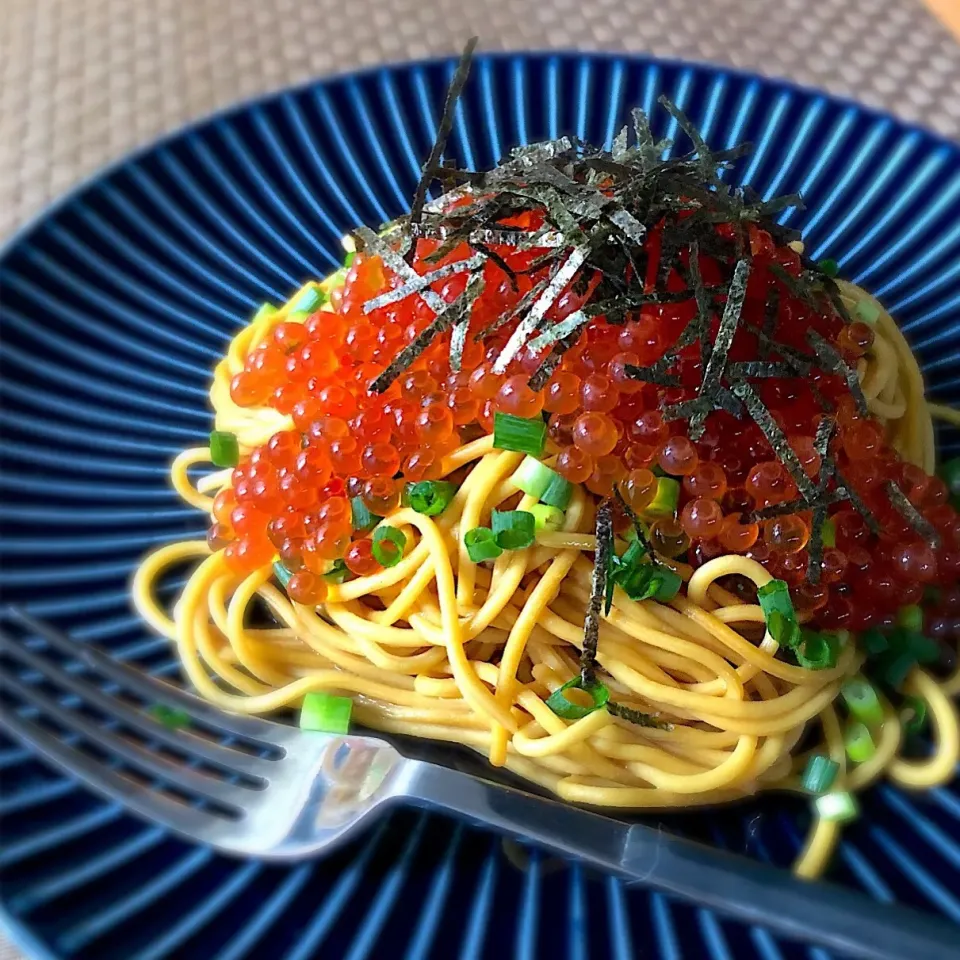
(291, 497)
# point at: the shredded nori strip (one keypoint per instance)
(911, 514)
(830, 357)
(760, 369)
(635, 520)
(821, 444)
(736, 294)
(845, 492)
(425, 280)
(771, 311)
(395, 262)
(465, 304)
(444, 128)
(567, 326)
(598, 589)
(523, 304)
(638, 717)
(538, 311)
(655, 373)
(776, 439)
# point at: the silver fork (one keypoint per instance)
(254, 788)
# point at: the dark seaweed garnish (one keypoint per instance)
(911, 514)
(594, 212)
(598, 589)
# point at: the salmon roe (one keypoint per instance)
(290, 497)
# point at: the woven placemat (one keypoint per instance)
(84, 81)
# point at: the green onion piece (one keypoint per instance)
(558, 492)
(867, 312)
(282, 573)
(325, 713)
(913, 715)
(388, 544)
(819, 774)
(263, 311)
(924, 649)
(546, 518)
(481, 544)
(633, 556)
(858, 742)
(519, 433)
(348, 259)
(360, 515)
(224, 449)
(513, 529)
(647, 581)
(781, 619)
(950, 474)
(893, 668)
(431, 497)
(829, 267)
(567, 709)
(817, 651)
(828, 533)
(840, 807)
(910, 618)
(874, 642)
(666, 583)
(309, 301)
(533, 477)
(862, 701)
(664, 504)
(338, 572)
(170, 717)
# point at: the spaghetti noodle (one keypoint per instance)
(435, 643)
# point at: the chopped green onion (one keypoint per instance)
(817, 651)
(893, 668)
(513, 529)
(633, 556)
(481, 544)
(360, 515)
(567, 709)
(546, 518)
(431, 497)
(647, 581)
(829, 267)
(862, 701)
(519, 433)
(265, 310)
(388, 544)
(874, 642)
(558, 492)
(923, 649)
(950, 474)
(282, 573)
(910, 618)
(309, 300)
(338, 572)
(839, 807)
(778, 612)
(867, 312)
(170, 717)
(858, 742)
(828, 533)
(348, 259)
(224, 449)
(913, 715)
(325, 713)
(664, 504)
(533, 477)
(819, 774)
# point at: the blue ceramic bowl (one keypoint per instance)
(117, 303)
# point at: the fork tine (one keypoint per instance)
(262, 733)
(185, 820)
(232, 761)
(176, 774)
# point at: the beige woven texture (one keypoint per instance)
(83, 82)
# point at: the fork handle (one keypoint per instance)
(817, 913)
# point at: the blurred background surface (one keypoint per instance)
(83, 82)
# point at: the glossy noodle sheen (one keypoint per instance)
(442, 648)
